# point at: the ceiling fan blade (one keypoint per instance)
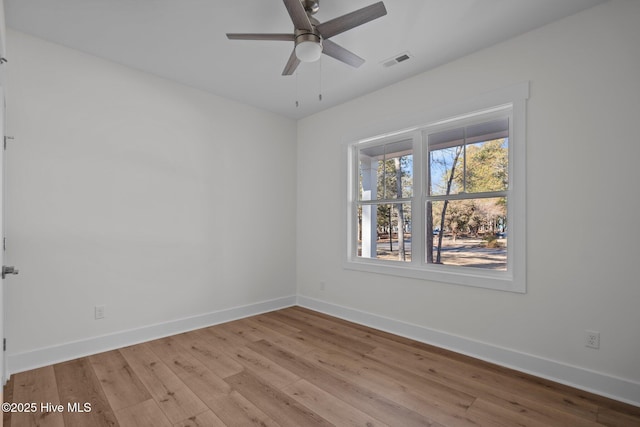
(341, 54)
(351, 20)
(258, 36)
(292, 64)
(298, 15)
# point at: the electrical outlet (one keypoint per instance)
(592, 339)
(99, 312)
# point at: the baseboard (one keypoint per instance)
(594, 382)
(20, 362)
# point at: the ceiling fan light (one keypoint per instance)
(308, 50)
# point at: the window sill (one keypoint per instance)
(487, 279)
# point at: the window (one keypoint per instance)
(443, 201)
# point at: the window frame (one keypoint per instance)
(509, 102)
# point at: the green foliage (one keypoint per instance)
(483, 167)
(486, 167)
(491, 241)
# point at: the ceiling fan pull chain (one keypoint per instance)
(297, 91)
(320, 80)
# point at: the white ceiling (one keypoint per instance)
(184, 40)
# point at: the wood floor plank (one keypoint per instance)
(37, 386)
(479, 380)
(285, 338)
(7, 396)
(237, 410)
(209, 353)
(446, 405)
(324, 336)
(571, 399)
(223, 336)
(617, 418)
(78, 386)
(354, 331)
(437, 402)
(534, 410)
(457, 379)
(319, 320)
(217, 394)
(191, 371)
(488, 414)
(175, 399)
(376, 405)
(245, 329)
(270, 372)
(206, 419)
(418, 394)
(144, 414)
(120, 385)
(273, 324)
(278, 405)
(329, 407)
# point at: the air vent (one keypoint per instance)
(401, 57)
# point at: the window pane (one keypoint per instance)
(386, 171)
(444, 167)
(384, 231)
(469, 233)
(486, 166)
(367, 187)
(470, 159)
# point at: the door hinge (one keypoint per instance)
(4, 243)
(6, 138)
(4, 344)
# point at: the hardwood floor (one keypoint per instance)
(296, 367)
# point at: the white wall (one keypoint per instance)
(582, 197)
(127, 190)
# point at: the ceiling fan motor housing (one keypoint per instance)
(308, 36)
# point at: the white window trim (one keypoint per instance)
(514, 279)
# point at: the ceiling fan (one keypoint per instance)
(311, 37)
